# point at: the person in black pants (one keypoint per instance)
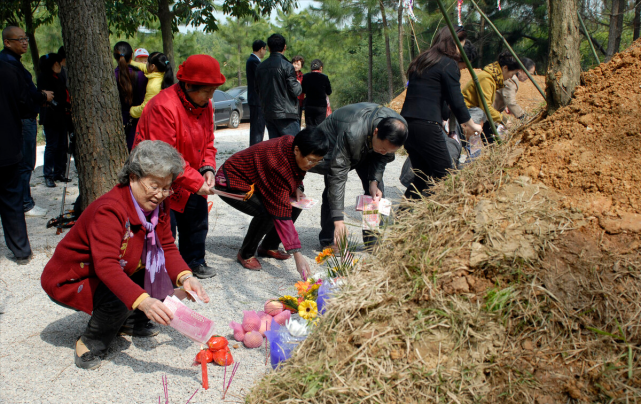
(433, 78)
(14, 102)
(316, 87)
(54, 118)
(256, 118)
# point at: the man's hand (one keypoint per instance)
(340, 231)
(156, 311)
(49, 95)
(209, 179)
(374, 192)
(299, 194)
(192, 284)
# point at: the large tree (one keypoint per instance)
(615, 31)
(564, 68)
(100, 140)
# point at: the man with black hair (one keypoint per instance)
(362, 137)
(256, 118)
(15, 100)
(16, 44)
(278, 89)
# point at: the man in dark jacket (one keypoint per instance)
(16, 43)
(14, 102)
(256, 118)
(278, 90)
(362, 137)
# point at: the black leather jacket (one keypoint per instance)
(349, 130)
(277, 87)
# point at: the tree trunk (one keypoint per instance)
(370, 58)
(479, 64)
(564, 68)
(97, 119)
(388, 55)
(412, 46)
(165, 16)
(401, 63)
(616, 28)
(240, 74)
(31, 33)
(636, 23)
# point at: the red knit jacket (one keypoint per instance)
(170, 117)
(105, 245)
(271, 167)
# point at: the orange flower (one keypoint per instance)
(302, 287)
(322, 256)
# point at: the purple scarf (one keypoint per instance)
(157, 281)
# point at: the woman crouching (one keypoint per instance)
(263, 178)
(119, 261)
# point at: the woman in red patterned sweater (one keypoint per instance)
(264, 177)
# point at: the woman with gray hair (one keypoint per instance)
(119, 261)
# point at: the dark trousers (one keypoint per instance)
(29, 134)
(262, 225)
(280, 127)
(108, 316)
(314, 116)
(12, 212)
(428, 153)
(256, 124)
(55, 164)
(326, 235)
(192, 226)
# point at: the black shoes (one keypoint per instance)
(87, 360)
(49, 182)
(203, 271)
(146, 330)
(60, 178)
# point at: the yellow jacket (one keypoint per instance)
(154, 84)
(490, 79)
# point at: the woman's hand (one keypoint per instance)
(299, 194)
(192, 284)
(156, 311)
(302, 266)
(205, 189)
(210, 180)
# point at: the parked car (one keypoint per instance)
(240, 93)
(228, 110)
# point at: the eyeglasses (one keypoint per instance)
(23, 39)
(151, 190)
(313, 161)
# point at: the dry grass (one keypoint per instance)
(476, 295)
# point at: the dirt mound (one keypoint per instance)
(528, 96)
(591, 149)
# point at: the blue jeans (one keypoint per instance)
(280, 127)
(26, 167)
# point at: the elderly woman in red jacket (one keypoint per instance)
(261, 181)
(182, 116)
(119, 261)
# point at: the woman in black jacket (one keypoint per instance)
(433, 79)
(54, 117)
(316, 87)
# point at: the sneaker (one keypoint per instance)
(203, 271)
(87, 360)
(36, 211)
(146, 330)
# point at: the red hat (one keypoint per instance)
(200, 69)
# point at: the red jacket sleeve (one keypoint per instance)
(160, 124)
(105, 238)
(210, 153)
(288, 235)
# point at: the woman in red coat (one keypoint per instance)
(182, 116)
(261, 181)
(119, 261)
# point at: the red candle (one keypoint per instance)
(204, 356)
(203, 365)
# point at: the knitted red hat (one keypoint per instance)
(201, 69)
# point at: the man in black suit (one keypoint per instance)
(256, 118)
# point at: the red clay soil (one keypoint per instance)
(528, 96)
(590, 150)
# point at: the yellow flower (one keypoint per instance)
(308, 310)
(302, 287)
(287, 298)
